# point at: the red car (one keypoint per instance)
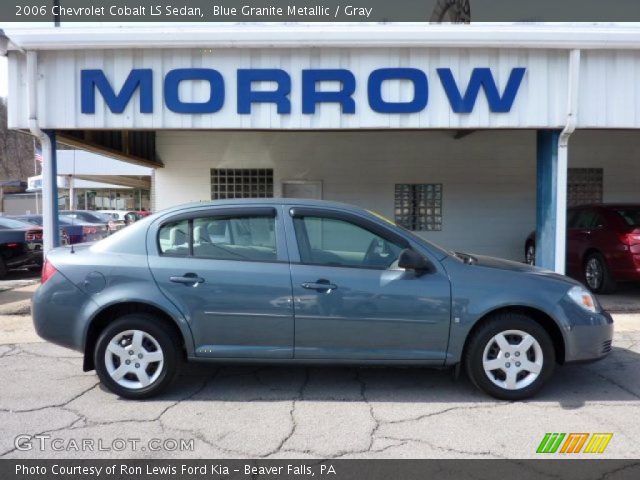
(603, 245)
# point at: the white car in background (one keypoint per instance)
(126, 216)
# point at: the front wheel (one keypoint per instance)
(136, 356)
(510, 357)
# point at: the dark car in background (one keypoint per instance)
(20, 245)
(75, 231)
(603, 245)
(90, 216)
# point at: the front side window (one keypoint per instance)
(588, 219)
(334, 242)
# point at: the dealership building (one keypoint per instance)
(471, 135)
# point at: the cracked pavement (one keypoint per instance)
(298, 412)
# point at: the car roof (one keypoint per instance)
(306, 202)
(606, 206)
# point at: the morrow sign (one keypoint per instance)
(462, 99)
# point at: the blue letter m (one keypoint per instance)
(90, 80)
(481, 78)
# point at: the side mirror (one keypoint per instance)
(412, 260)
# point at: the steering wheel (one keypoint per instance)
(377, 253)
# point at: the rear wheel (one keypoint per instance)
(136, 357)
(597, 275)
(510, 357)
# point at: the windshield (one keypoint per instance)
(63, 220)
(630, 215)
(416, 238)
(9, 223)
(32, 220)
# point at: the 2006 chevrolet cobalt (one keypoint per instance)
(299, 281)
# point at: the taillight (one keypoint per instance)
(630, 239)
(48, 271)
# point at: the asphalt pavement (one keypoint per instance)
(295, 412)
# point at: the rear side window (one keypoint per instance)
(251, 238)
(235, 238)
(173, 238)
(631, 216)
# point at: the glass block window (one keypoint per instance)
(418, 206)
(584, 186)
(241, 183)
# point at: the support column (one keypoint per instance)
(551, 201)
(72, 193)
(50, 226)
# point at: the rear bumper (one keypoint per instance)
(56, 309)
(625, 267)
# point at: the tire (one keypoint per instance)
(3, 268)
(530, 254)
(134, 380)
(596, 273)
(484, 345)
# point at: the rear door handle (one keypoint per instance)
(320, 286)
(188, 279)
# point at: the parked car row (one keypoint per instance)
(20, 245)
(603, 245)
(76, 231)
(21, 235)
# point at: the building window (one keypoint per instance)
(418, 206)
(241, 183)
(584, 186)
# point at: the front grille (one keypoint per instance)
(606, 346)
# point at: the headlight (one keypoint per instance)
(584, 298)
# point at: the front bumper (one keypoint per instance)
(28, 257)
(588, 336)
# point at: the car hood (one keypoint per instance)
(509, 265)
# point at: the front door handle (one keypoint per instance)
(188, 279)
(321, 285)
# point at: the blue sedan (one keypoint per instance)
(72, 231)
(299, 281)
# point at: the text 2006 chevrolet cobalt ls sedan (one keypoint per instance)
(298, 281)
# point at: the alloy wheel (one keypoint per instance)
(512, 359)
(134, 359)
(593, 273)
